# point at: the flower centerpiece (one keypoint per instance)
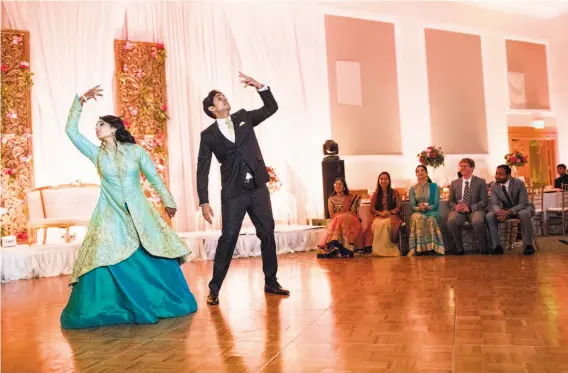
(274, 184)
(433, 156)
(516, 159)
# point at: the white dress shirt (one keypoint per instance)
(230, 135)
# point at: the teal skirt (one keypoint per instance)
(139, 290)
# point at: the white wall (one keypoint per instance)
(494, 27)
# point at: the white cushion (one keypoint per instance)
(34, 205)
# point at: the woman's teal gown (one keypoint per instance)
(128, 268)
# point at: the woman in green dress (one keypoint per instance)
(128, 268)
(425, 235)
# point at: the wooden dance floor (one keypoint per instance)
(448, 314)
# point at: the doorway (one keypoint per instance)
(540, 147)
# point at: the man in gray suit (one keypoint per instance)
(510, 199)
(468, 201)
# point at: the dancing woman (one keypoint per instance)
(127, 270)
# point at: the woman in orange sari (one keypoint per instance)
(344, 232)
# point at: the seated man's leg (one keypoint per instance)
(456, 221)
(477, 220)
(493, 224)
(525, 217)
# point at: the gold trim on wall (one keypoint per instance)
(15, 131)
(141, 101)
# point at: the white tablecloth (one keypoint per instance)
(550, 200)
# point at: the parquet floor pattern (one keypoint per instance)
(424, 314)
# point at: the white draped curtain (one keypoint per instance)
(207, 44)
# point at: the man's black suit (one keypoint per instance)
(237, 196)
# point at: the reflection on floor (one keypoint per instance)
(426, 314)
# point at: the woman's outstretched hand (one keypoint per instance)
(92, 93)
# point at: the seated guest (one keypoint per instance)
(562, 176)
(385, 207)
(425, 235)
(468, 200)
(510, 199)
(344, 232)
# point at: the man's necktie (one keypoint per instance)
(466, 194)
(231, 129)
(506, 193)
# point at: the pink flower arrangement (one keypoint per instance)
(128, 46)
(433, 156)
(133, 111)
(125, 68)
(9, 171)
(11, 115)
(17, 39)
(158, 53)
(139, 73)
(24, 65)
(516, 159)
(274, 183)
(4, 67)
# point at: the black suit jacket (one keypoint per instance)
(228, 154)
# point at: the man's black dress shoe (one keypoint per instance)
(498, 250)
(213, 299)
(529, 250)
(275, 289)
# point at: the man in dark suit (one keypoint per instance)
(468, 201)
(510, 199)
(562, 176)
(243, 179)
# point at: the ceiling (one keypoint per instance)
(540, 9)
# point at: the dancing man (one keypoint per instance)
(243, 173)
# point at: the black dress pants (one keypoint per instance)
(256, 202)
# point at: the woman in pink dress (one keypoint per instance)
(344, 232)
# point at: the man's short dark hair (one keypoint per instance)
(208, 101)
(469, 161)
(561, 165)
(506, 168)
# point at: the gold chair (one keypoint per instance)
(536, 198)
(62, 206)
(558, 215)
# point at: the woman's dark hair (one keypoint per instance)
(121, 134)
(425, 170)
(208, 102)
(391, 201)
(345, 188)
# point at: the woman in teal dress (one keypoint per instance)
(425, 235)
(128, 268)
